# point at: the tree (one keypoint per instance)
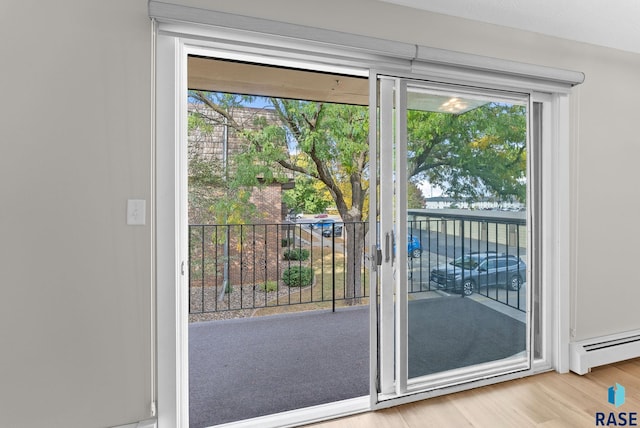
(205, 176)
(479, 153)
(327, 143)
(415, 198)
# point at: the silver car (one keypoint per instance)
(476, 270)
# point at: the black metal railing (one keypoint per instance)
(494, 249)
(237, 267)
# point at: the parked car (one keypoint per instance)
(476, 270)
(414, 247)
(335, 231)
(293, 216)
(324, 223)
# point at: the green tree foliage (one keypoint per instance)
(476, 154)
(326, 143)
(415, 198)
(205, 176)
(323, 142)
(307, 196)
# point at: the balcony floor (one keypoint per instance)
(250, 367)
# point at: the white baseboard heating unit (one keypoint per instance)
(587, 354)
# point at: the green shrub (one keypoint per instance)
(269, 286)
(297, 276)
(285, 242)
(296, 254)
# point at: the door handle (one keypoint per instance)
(378, 255)
(386, 247)
(393, 247)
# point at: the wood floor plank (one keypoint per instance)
(606, 377)
(547, 400)
(490, 408)
(632, 367)
(529, 399)
(438, 412)
(572, 392)
(573, 404)
(387, 418)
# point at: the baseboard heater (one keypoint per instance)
(586, 354)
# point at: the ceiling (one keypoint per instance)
(610, 23)
(209, 74)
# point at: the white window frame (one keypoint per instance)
(178, 29)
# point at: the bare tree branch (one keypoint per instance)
(201, 96)
(296, 168)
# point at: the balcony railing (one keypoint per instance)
(500, 239)
(234, 267)
(261, 266)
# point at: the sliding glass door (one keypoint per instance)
(453, 235)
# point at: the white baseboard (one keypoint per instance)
(586, 354)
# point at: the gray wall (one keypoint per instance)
(75, 144)
(75, 281)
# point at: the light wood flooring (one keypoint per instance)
(544, 400)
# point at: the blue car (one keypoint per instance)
(414, 247)
(325, 223)
(332, 231)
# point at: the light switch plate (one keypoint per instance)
(136, 212)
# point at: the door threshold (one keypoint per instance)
(306, 415)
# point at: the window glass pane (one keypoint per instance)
(467, 185)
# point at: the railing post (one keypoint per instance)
(333, 266)
(462, 252)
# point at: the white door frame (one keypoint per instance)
(170, 221)
(237, 34)
(393, 323)
(386, 283)
(172, 235)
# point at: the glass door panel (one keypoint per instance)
(454, 172)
